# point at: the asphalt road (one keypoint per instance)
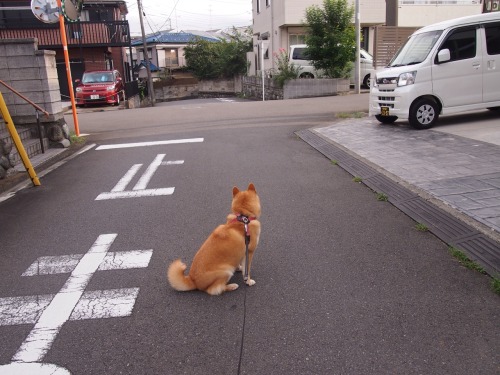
(345, 284)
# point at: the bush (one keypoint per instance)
(223, 59)
(286, 70)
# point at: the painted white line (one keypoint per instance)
(32, 368)
(122, 260)
(146, 176)
(147, 144)
(136, 193)
(100, 304)
(43, 334)
(53, 265)
(172, 162)
(125, 180)
(22, 310)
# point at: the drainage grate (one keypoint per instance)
(445, 226)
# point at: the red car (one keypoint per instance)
(100, 87)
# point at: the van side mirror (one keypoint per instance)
(443, 56)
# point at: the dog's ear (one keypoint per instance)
(235, 191)
(251, 187)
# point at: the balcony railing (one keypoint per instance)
(91, 34)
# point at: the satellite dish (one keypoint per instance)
(71, 9)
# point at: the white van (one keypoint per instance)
(445, 68)
(297, 56)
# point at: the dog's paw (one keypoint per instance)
(250, 282)
(231, 287)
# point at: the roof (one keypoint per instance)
(166, 37)
(152, 66)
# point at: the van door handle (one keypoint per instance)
(476, 65)
(491, 65)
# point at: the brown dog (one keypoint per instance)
(224, 250)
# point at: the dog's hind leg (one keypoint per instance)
(220, 284)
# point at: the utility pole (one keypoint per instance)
(146, 57)
(357, 80)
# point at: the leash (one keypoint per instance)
(245, 220)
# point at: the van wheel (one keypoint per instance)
(386, 119)
(306, 75)
(424, 114)
(367, 81)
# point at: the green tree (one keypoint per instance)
(331, 37)
(222, 59)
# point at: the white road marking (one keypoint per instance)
(125, 180)
(139, 190)
(53, 265)
(100, 304)
(22, 310)
(135, 194)
(146, 176)
(43, 334)
(147, 144)
(49, 313)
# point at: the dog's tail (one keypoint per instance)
(177, 279)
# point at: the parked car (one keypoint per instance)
(99, 87)
(297, 57)
(444, 68)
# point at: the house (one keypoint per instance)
(280, 23)
(96, 41)
(166, 49)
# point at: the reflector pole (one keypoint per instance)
(68, 68)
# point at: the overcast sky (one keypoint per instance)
(189, 14)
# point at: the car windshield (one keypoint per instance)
(97, 77)
(416, 49)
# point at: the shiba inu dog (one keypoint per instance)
(224, 250)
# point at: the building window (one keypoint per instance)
(297, 39)
(268, 3)
(491, 5)
(258, 6)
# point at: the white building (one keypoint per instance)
(280, 23)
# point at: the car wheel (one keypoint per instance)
(367, 81)
(424, 114)
(386, 119)
(306, 75)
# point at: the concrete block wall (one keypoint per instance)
(33, 73)
(309, 88)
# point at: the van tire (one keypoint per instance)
(386, 119)
(306, 75)
(423, 114)
(366, 81)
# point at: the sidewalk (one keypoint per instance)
(447, 182)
